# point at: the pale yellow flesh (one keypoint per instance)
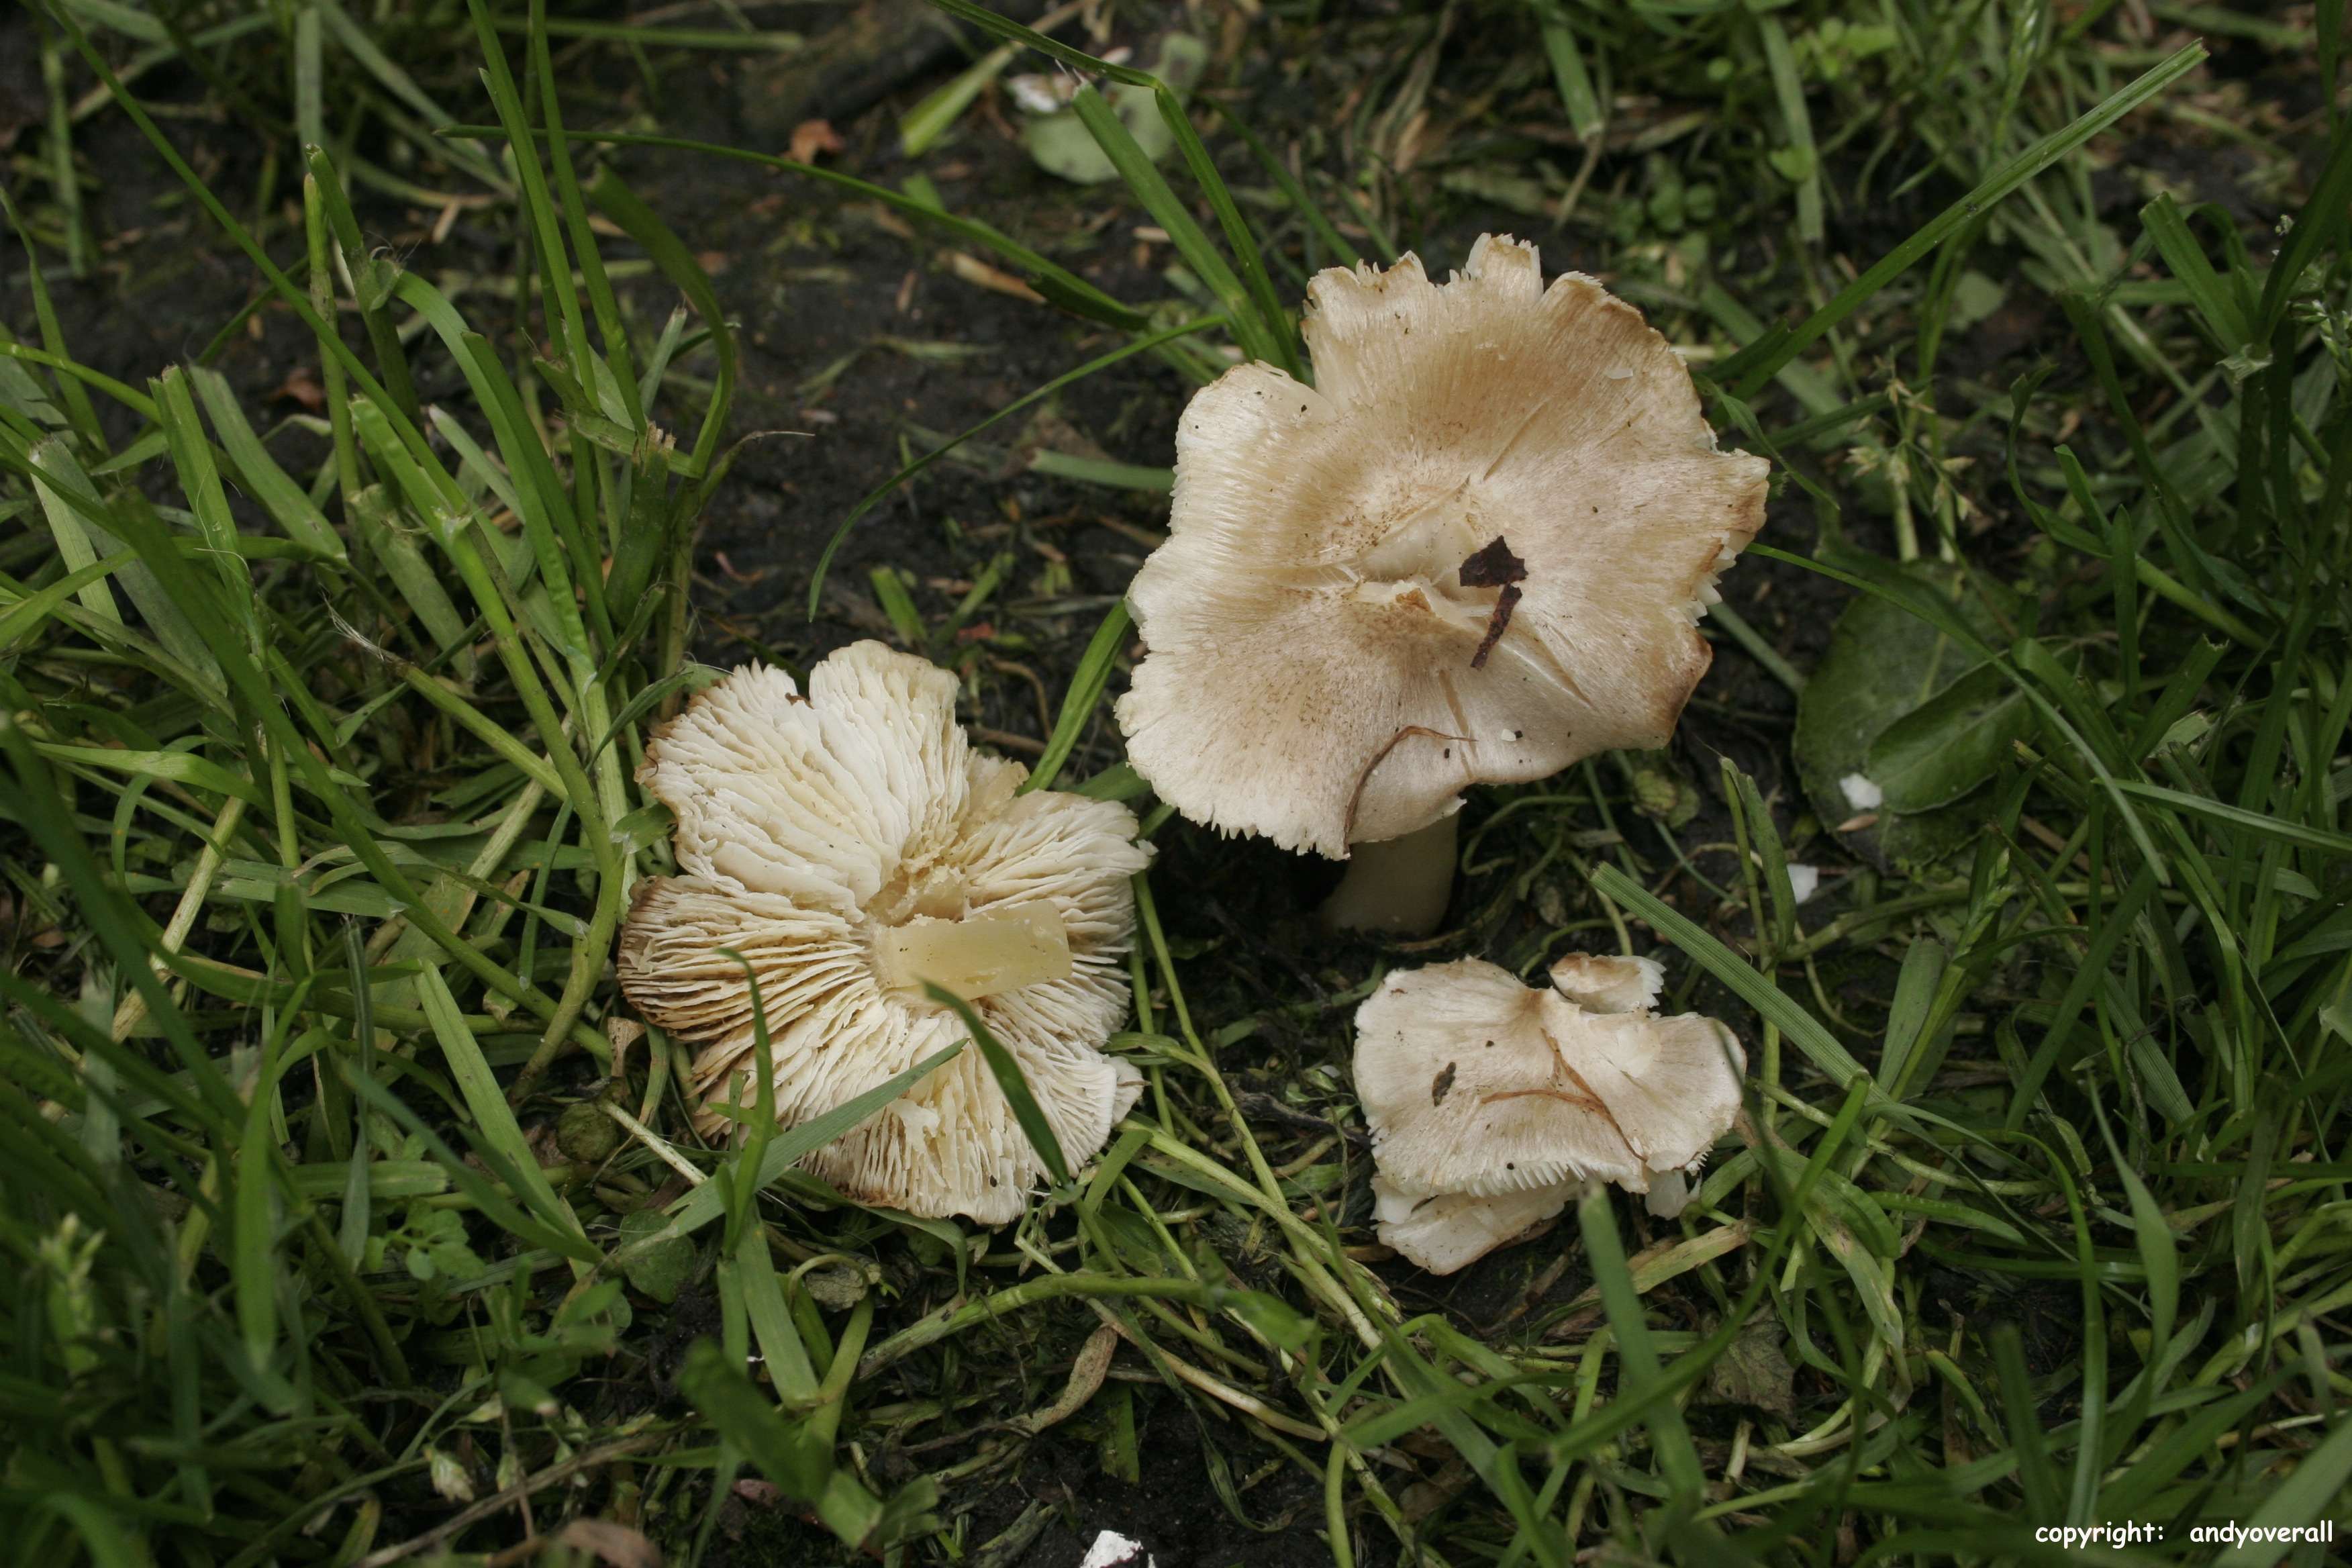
(981, 955)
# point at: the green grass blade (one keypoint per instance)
(1996, 187)
(52, 461)
(2301, 1504)
(258, 473)
(487, 1197)
(707, 1201)
(1637, 1362)
(354, 40)
(1278, 328)
(771, 1321)
(2285, 830)
(1010, 1079)
(678, 264)
(792, 1456)
(1586, 116)
(1798, 1027)
(1142, 177)
(1013, 32)
(2033, 1467)
(921, 127)
(1085, 694)
(2320, 222)
(1309, 211)
(600, 300)
(470, 1070)
(1801, 163)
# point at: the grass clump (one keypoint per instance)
(323, 825)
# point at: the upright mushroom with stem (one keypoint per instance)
(1492, 1103)
(850, 846)
(1476, 550)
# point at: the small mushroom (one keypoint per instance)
(850, 844)
(1491, 1103)
(1476, 550)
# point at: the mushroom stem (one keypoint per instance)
(1399, 885)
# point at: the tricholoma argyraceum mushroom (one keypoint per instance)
(1492, 1103)
(1476, 550)
(852, 846)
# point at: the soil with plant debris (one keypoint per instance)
(867, 339)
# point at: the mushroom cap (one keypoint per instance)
(1453, 1230)
(1465, 1092)
(1476, 1086)
(826, 838)
(1604, 983)
(1319, 671)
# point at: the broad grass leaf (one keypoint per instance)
(1915, 997)
(257, 473)
(772, 1319)
(1883, 663)
(1116, 781)
(1062, 144)
(796, 1457)
(1950, 744)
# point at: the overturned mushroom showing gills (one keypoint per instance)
(1476, 550)
(1491, 1103)
(852, 846)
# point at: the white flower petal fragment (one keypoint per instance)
(1476, 550)
(1491, 1103)
(850, 847)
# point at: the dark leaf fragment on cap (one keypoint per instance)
(1492, 567)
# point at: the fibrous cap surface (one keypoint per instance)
(1476, 1087)
(1336, 645)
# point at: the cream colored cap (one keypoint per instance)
(1475, 551)
(1476, 1087)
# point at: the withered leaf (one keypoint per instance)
(1754, 1372)
(1492, 567)
(1504, 603)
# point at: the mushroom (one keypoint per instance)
(1492, 1103)
(1477, 549)
(851, 845)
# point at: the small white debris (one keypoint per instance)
(1043, 94)
(449, 1477)
(1804, 881)
(1861, 794)
(1112, 1550)
(1618, 373)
